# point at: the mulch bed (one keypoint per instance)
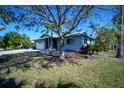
(75, 55)
(69, 56)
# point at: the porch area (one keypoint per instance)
(51, 43)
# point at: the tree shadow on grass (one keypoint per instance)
(24, 66)
(10, 83)
(4, 59)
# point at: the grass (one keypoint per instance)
(93, 72)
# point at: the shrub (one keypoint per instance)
(87, 49)
(100, 47)
(97, 47)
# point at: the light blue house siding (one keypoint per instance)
(75, 44)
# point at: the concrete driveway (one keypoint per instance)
(17, 51)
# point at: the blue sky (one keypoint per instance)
(105, 17)
(11, 28)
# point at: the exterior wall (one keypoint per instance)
(73, 46)
(77, 43)
(58, 44)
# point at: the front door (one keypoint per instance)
(54, 43)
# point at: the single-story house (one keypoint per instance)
(73, 41)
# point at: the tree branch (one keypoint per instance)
(75, 24)
(59, 31)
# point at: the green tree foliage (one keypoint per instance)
(104, 38)
(7, 16)
(13, 40)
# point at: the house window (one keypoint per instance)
(69, 41)
(85, 40)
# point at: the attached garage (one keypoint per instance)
(45, 43)
(40, 45)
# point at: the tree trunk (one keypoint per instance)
(119, 38)
(119, 49)
(62, 53)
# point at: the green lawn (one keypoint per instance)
(98, 71)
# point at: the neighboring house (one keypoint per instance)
(114, 46)
(73, 42)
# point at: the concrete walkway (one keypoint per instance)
(17, 51)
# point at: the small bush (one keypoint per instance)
(100, 47)
(87, 49)
(97, 47)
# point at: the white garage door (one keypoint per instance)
(40, 46)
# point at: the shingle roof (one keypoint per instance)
(69, 35)
(79, 34)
